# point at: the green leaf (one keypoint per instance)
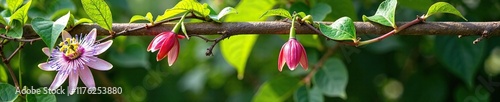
(277, 89)
(3, 20)
(21, 14)
(42, 97)
(384, 14)
(277, 12)
(16, 29)
(320, 11)
(305, 94)
(237, 49)
(169, 13)
(7, 93)
(3, 74)
(443, 7)
(332, 78)
(224, 12)
(148, 17)
(460, 56)
(49, 31)
(183, 29)
(342, 29)
(184, 6)
(99, 12)
(14, 4)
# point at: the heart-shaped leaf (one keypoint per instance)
(384, 14)
(332, 78)
(16, 29)
(99, 11)
(443, 7)
(14, 4)
(7, 92)
(342, 29)
(460, 56)
(277, 12)
(49, 31)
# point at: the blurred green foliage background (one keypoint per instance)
(400, 68)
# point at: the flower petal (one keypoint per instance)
(65, 35)
(173, 53)
(90, 38)
(99, 64)
(86, 77)
(281, 60)
(303, 59)
(166, 47)
(157, 42)
(46, 66)
(102, 47)
(73, 82)
(46, 51)
(58, 80)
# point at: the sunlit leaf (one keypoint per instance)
(224, 12)
(384, 14)
(304, 94)
(3, 74)
(277, 12)
(169, 13)
(184, 6)
(21, 14)
(443, 7)
(237, 49)
(16, 29)
(332, 78)
(460, 56)
(342, 29)
(7, 93)
(14, 4)
(277, 89)
(148, 17)
(49, 31)
(41, 97)
(99, 12)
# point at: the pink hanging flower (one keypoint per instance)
(292, 53)
(166, 42)
(73, 57)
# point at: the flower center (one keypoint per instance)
(70, 48)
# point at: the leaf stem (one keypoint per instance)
(396, 30)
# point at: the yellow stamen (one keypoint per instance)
(70, 48)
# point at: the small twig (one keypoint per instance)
(6, 62)
(202, 37)
(15, 51)
(216, 41)
(485, 33)
(321, 62)
(21, 39)
(396, 30)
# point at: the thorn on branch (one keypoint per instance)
(485, 33)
